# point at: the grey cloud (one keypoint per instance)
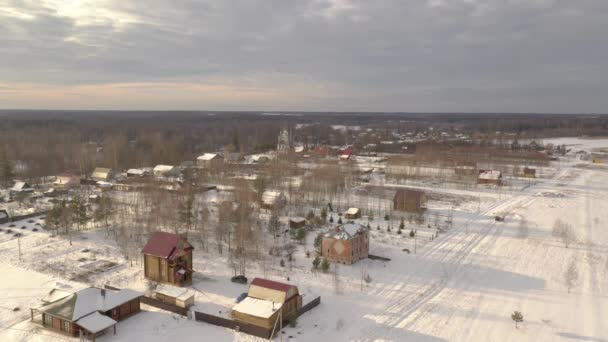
(495, 55)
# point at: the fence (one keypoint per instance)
(231, 324)
(157, 303)
(26, 216)
(304, 309)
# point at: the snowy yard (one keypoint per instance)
(461, 286)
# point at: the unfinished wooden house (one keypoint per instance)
(168, 259)
(88, 313)
(266, 301)
(346, 244)
(179, 296)
(409, 200)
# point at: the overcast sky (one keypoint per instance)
(334, 55)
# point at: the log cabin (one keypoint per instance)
(168, 259)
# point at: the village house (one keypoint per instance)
(297, 222)
(162, 170)
(209, 160)
(66, 181)
(134, 173)
(101, 174)
(409, 200)
(346, 244)
(88, 312)
(489, 177)
(168, 259)
(529, 172)
(352, 213)
(20, 188)
(265, 300)
(273, 199)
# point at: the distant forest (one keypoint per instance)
(51, 142)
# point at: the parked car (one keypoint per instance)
(241, 297)
(240, 279)
(499, 218)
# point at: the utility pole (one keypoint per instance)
(19, 246)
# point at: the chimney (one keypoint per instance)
(103, 293)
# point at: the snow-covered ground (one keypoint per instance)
(461, 286)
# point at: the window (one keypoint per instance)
(48, 320)
(67, 326)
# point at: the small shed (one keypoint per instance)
(297, 222)
(352, 213)
(179, 296)
(489, 177)
(101, 174)
(209, 159)
(162, 170)
(529, 172)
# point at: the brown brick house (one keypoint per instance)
(346, 244)
(168, 259)
(409, 200)
(89, 312)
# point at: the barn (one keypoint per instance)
(352, 213)
(168, 259)
(489, 177)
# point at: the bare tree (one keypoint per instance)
(571, 275)
(563, 231)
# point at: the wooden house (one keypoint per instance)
(529, 172)
(168, 259)
(101, 174)
(352, 213)
(489, 177)
(297, 222)
(409, 200)
(266, 301)
(346, 244)
(88, 312)
(209, 160)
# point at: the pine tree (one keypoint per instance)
(325, 265)
(318, 243)
(401, 224)
(340, 220)
(324, 214)
(316, 262)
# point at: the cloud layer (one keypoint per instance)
(348, 55)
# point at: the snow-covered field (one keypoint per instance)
(461, 286)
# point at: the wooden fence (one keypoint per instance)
(232, 324)
(221, 321)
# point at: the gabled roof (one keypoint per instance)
(352, 211)
(95, 322)
(163, 168)
(271, 284)
(164, 245)
(19, 186)
(101, 172)
(208, 156)
(490, 174)
(87, 301)
(347, 231)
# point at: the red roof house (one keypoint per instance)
(168, 259)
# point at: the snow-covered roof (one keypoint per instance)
(86, 301)
(101, 173)
(19, 186)
(208, 156)
(490, 175)
(257, 307)
(270, 197)
(352, 211)
(163, 168)
(55, 295)
(297, 219)
(175, 292)
(347, 231)
(95, 322)
(136, 171)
